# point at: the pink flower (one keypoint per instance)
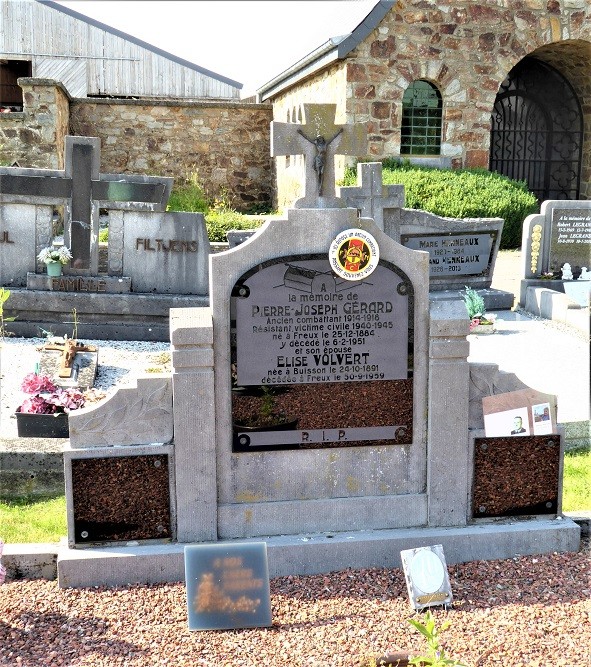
(35, 384)
(37, 405)
(67, 399)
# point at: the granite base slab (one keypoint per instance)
(327, 552)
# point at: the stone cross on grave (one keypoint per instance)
(83, 190)
(318, 139)
(372, 198)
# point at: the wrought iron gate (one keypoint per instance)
(537, 131)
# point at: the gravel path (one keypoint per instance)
(532, 611)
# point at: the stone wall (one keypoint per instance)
(225, 143)
(35, 136)
(466, 49)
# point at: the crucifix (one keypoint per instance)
(84, 190)
(318, 139)
(68, 348)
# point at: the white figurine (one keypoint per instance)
(585, 275)
(567, 274)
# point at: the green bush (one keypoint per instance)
(461, 193)
(221, 220)
(188, 196)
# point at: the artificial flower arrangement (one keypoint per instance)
(53, 254)
(46, 398)
(476, 310)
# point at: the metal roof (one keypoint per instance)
(330, 52)
(139, 42)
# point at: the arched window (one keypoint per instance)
(421, 120)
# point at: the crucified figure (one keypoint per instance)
(321, 146)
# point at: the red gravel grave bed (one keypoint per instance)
(533, 611)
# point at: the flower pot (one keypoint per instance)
(54, 269)
(483, 329)
(31, 425)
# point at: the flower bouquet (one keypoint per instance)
(44, 413)
(54, 254)
(480, 321)
(55, 258)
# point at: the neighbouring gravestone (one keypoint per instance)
(82, 189)
(560, 234)
(373, 199)
(69, 363)
(227, 586)
(318, 139)
(166, 253)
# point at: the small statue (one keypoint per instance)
(585, 275)
(319, 159)
(567, 274)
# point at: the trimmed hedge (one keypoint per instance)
(461, 193)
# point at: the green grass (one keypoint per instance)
(45, 520)
(30, 520)
(577, 481)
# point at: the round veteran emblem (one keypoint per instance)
(354, 254)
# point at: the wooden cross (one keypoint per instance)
(318, 139)
(372, 198)
(83, 190)
(68, 348)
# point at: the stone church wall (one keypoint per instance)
(466, 49)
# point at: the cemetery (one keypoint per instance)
(345, 340)
(346, 427)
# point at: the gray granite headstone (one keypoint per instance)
(83, 190)
(166, 253)
(560, 233)
(373, 199)
(23, 229)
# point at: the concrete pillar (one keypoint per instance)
(447, 440)
(191, 334)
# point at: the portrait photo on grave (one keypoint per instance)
(319, 360)
(519, 413)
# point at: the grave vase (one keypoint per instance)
(483, 329)
(54, 269)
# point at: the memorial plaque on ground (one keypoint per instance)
(227, 586)
(570, 239)
(321, 361)
(461, 254)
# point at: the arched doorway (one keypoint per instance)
(537, 131)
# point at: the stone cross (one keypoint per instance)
(83, 190)
(372, 198)
(318, 139)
